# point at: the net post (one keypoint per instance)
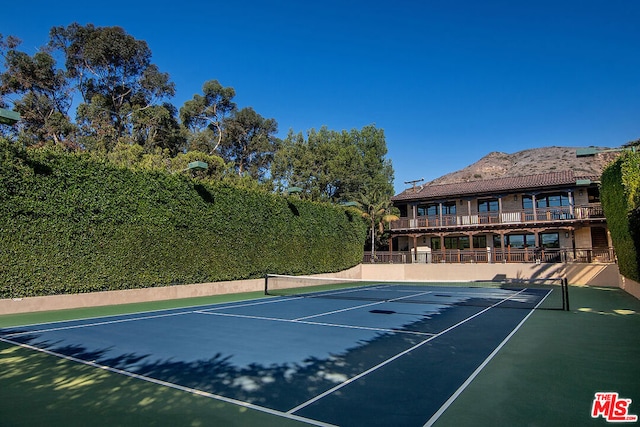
(266, 284)
(565, 290)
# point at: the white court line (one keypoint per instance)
(304, 322)
(391, 359)
(87, 325)
(340, 310)
(172, 385)
(475, 373)
(363, 305)
(131, 317)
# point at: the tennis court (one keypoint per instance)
(371, 354)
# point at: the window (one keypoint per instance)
(594, 195)
(428, 210)
(490, 205)
(520, 241)
(552, 200)
(435, 243)
(546, 201)
(449, 208)
(456, 242)
(479, 242)
(550, 240)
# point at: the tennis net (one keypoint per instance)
(547, 293)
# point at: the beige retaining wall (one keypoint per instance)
(601, 275)
(96, 299)
(577, 274)
(630, 286)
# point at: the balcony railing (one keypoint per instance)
(495, 255)
(541, 215)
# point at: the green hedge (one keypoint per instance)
(620, 190)
(72, 223)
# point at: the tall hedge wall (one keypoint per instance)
(72, 223)
(620, 191)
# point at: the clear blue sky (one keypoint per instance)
(448, 81)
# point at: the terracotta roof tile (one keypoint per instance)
(489, 186)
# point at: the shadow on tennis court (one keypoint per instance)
(278, 386)
(339, 368)
(39, 389)
(545, 375)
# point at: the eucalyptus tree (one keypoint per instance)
(115, 77)
(249, 142)
(39, 91)
(158, 127)
(204, 115)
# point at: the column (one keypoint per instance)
(471, 248)
(571, 203)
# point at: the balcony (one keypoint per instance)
(506, 219)
(495, 255)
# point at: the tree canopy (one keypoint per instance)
(335, 166)
(96, 89)
(204, 116)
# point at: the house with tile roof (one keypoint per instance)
(546, 217)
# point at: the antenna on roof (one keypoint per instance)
(414, 182)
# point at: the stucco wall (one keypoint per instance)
(96, 299)
(459, 271)
(630, 286)
(577, 274)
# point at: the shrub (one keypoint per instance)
(72, 223)
(619, 195)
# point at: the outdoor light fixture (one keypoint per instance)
(8, 117)
(293, 190)
(197, 166)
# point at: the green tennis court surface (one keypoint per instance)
(319, 361)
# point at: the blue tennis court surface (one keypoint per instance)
(324, 361)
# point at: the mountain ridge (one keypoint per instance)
(529, 162)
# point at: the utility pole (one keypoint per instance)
(414, 182)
